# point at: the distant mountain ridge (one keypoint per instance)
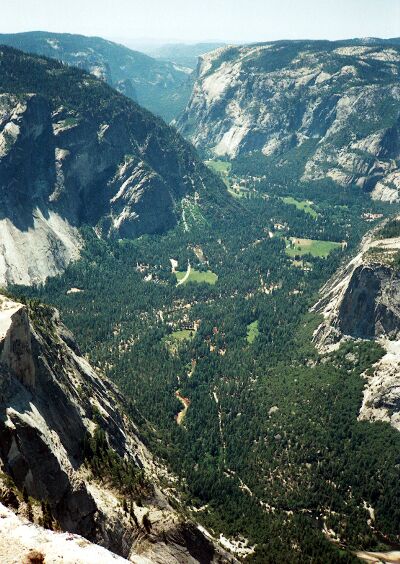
(334, 104)
(159, 86)
(185, 54)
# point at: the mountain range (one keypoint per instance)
(160, 86)
(183, 54)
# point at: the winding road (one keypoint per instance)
(183, 280)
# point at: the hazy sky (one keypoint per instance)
(193, 20)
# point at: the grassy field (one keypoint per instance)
(181, 335)
(221, 167)
(176, 338)
(303, 205)
(208, 277)
(252, 331)
(295, 246)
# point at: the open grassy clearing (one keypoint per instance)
(304, 205)
(208, 276)
(181, 335)
(221, 167)
(178, 337)
(252, 331)
(299, 247)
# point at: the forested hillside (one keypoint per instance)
(160, 86)
(74, 151)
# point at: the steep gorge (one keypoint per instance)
(160, 86)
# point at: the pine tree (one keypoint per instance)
(147, 522)
(47, 515)
(30, 512)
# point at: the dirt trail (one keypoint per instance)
(183, 280)
(220, 426)
(185, 402)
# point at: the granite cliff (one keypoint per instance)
(335, 105)
(65, 442)
(362, 301)
(75, 152)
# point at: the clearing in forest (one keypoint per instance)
(299, 247)
(208, 276)
(178, 337)
(181, 335)
(252, 331)
(221, 167)
(235, 189)
(303, 205)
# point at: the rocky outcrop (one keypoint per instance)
(160, 86)
(381, 401)
(20, 541)
(51, 401)
(36, 241)
(371, 305)
(74, 152)
(15, 342)
(335, 103)
(362, 301)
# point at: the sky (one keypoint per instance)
(236, 21)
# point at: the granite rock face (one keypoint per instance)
(74, 152)
(371, 306)
(335, 103)
(20, 541)
(362, 301)
(51, 399)
(15, 338)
